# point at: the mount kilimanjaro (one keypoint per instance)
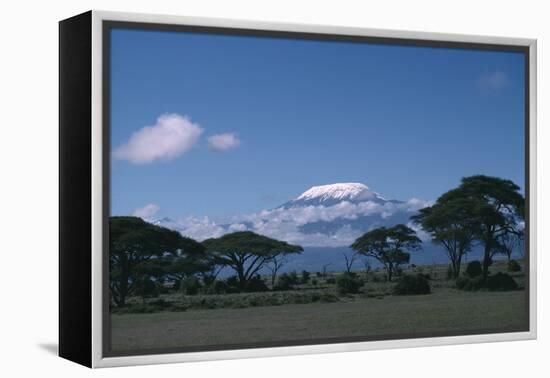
(323, 216)
(332, 194)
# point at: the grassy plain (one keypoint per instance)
(372, 313)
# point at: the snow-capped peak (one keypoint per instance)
(339, 191)
(332, 194)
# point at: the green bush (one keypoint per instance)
(348, 283)
(135, 309)
(305, 276)
(412, 285)
(160, 303)
(377, 278)
(256, 284)
(474, 269)
(219, 287)
(143, 308)
(449, 273)
(501, 282)
(208, 279)
(328, 298)
(398, 271)
(331, 280)
(284, 282)
(190, 285)
(469, 283)
(232, 285)
(146, 288)
(513, 266)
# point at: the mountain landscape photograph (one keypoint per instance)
(291, 191)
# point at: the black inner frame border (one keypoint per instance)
(108, 25)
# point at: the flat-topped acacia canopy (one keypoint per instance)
(136, 247)
(246, 252)
(250, 242)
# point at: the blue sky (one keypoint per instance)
(240, 124)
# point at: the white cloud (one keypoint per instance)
(237, 227)
(492, 81)
(422, 235)
(223, 142)
(146, 211)
(285, 224)
(199, 228)
(171, 136)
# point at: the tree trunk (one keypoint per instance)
(458, 266)
(242, 278)
(455, 267)
(390, 272)
(119, 295)
(486, 260)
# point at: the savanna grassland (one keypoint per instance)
(318, 310)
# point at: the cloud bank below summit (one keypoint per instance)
(288, 223)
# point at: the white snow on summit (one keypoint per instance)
(339, 191)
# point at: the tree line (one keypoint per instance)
(482, 210)
(143, 255)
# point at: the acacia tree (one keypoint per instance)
(134, 243)
(497, 209)
(325, 266)
(450, 224)
(349, 259)
(274, 265)
(509, 242)
(389, 246)
(188, 260)
(247, 252)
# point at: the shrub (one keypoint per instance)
(135, 309)
(190, 286)
(146, 288)
(328, 298)
(256, 284)
(232, 285)
(348, 283)
(331, 280)
(284, 282)
(412, 285)
(377, 278)
(501, 282)
(219, 287)
(398, 271)
(513, 266)
(208, 279)
(449, 273)
(426, 276)
(163, 288)
(160, 303)
(144, 308)
(314, 282)
(305, 276)
(474, 269)
(469, 283)
(293, 277)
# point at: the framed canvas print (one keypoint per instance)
(235, 189)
